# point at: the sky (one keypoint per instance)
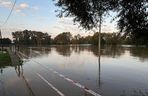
(40, 15)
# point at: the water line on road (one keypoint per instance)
(54, 88)
(66, 78)
(41, 77)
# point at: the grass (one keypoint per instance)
(4, 59)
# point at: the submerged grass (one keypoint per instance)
(5, 59)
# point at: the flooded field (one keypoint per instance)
(73, 70)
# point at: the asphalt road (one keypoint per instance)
(34, 79)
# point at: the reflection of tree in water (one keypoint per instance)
(64, 50)
(35, 51)
(4, 65)
(135, 93)
(80, 48)
(109, 51)
(141, 52)
(19, 71)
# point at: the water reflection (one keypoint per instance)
(106, 51)
(109, 51)
(140, 52)
(135, 93)
(63, 50)
(5, 65)
(35, 51)
(19, 71)
(116, 70)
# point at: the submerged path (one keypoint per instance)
(40, 82)
(71, 88)
(15, 60)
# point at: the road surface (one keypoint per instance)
(34, 79)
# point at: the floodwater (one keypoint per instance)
(120, 71)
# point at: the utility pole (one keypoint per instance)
(99, 45)
(1, 40)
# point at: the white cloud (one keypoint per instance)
(23, 6)
(18, 8)
(5, 3)
(67, 25)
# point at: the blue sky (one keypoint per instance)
(40, 15)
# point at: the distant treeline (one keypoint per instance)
(27, 37)
(5, 41)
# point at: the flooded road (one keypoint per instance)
(77, 71)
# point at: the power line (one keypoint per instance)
(10, 13)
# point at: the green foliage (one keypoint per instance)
(39, 38)
(133, 20)
(5, 41)
(63, 38)
(132, 15)
(4, 59)
(106, 38)
(31, 38)
(86, 12)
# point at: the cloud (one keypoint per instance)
(23, 6)
(5, 3)
(67, 25)
(19, 8)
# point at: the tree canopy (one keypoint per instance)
(86, 12)
(27, 37)
(63, 38)
(133, 19)
(132, 14)
(5, 41)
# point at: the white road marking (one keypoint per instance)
(77, 84)
(68, 79)
(55, 89)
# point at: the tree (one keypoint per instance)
(86, 12)
(63, 38)
(31, 38)
(5, 41)
(132, 14)
(133, 19)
